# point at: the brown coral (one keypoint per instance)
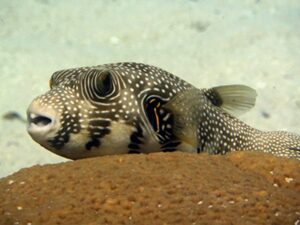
(159, 188)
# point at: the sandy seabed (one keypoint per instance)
(207, 43)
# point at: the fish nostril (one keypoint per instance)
(40, 120)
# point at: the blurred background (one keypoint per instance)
(208, 43)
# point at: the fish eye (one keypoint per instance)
(104, 84)
(54, 80)
(50, 83)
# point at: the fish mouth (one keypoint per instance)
(42, 122)
(38, 122)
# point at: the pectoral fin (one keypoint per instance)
(186, 107)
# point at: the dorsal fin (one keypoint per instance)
(234, 99)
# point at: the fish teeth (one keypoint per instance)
(32, 115)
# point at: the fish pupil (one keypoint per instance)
(105, 84)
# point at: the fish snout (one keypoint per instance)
(43, 122)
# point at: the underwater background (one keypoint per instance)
(207, 43)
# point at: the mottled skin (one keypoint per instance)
(137, 108)
(220, 132)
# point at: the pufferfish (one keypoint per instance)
(137, 108)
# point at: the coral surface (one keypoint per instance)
(159, 188)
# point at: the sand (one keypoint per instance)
(208, 43)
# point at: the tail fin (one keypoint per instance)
(281, 143)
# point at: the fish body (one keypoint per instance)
(136, 108)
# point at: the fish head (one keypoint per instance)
(84, 114)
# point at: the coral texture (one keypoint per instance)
(159, 188)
